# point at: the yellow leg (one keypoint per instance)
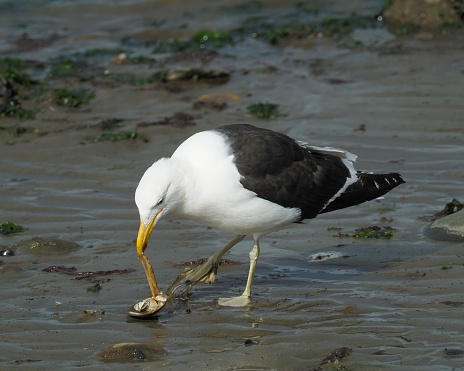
(205, 273)
(244, 299)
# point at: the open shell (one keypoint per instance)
(148, 307)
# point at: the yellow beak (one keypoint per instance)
(144, 233)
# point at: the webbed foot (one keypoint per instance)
(238, 301)
(205, 273)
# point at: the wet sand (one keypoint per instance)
(396, 103)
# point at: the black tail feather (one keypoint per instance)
(369, 186)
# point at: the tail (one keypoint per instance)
(368, 187)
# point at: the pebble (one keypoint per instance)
(7, 252)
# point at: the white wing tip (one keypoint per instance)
(331, 150)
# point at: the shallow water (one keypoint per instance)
(397, 303)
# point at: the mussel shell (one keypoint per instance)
(148, 307)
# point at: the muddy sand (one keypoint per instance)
(395, 101)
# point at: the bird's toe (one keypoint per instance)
(205, 273)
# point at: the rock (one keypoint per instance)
(423, 14)
(127, 352)
(44, 246)
(449, 228)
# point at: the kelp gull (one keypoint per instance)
(246, 180)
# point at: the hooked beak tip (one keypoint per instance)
(144, 233)
(143, 236)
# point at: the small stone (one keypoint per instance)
(7, 252)
(139, 354)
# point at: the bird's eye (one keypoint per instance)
(160, 201)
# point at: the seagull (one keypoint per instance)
(246, 180)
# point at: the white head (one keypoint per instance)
(159, 192)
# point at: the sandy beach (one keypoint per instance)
(68, 176)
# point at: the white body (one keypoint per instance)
(216, 196)
(200, 182)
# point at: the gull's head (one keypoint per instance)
(158, 193)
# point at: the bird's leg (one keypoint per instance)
(205, 273)
(244, 299)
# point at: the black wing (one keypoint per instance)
(280, 170)
(368, 187)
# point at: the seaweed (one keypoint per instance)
(178, 120)
(143, 59)
(17, 130)
(341, 26)
(110, 123)
(452, 24)
(156, 22)
(212, 39)
(202, 40)
(113, 137)
(373, 231)
(9, 228)
(259, 27)
(72, 98)
(11, 77)
(406, 29)
(333, 27)
(264, 110)
(136, 80)
(13, 70)
(99, 52)
(67, 68)
(18, 112)
(384, 209)
(333, 228)
(262, 28)
(303, 7)
(352, 44)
